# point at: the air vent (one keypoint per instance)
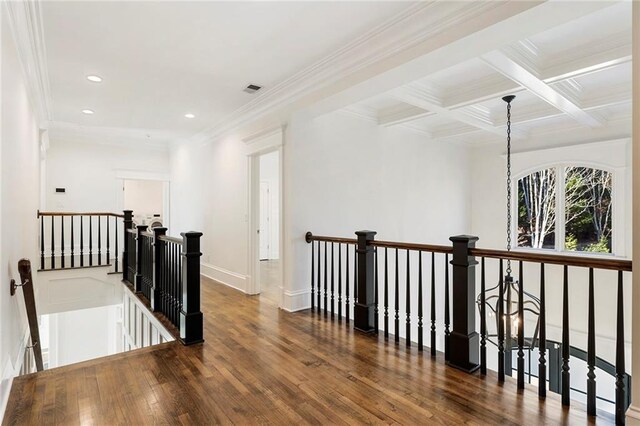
(252, 88)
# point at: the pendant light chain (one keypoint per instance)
(508, 100)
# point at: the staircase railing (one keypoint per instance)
(71, 240)
(392, 280)
(165, 271)
(24, 269)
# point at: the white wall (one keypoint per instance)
(270, 173)
(88, 171)
(19, 176)
(344, 174)
(209, 194)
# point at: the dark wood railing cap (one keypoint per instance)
(555, 259)
(79, 214)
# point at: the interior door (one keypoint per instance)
(265, 211)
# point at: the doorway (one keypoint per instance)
(147, 200)
(269, 270)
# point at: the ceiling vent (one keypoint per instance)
(252, 88)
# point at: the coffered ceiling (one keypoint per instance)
(574, 77)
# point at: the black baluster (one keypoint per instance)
(483, 319)
(326, 280)
(41, 241)
(99, 243)
(332, 282)
(386, 293)
(433, 304)
(542, 345)
(566, 376)
(72, 243)
(447, 319)
(91, 242)
(62, 242)
(319, 279)
(408, 302)
(591, 351)
(375, 283)
(313, 275)
(53, 246)
(420, 328)
(108, 253)
(620, 368)
(115, 223)
(81, 241)
(339, 282)
(520, 327)
(396, 302)
(347, 307)
(501, 319)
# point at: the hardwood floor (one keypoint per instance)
(259, 365)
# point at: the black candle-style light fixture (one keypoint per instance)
(506, 316)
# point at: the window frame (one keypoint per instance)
(617, 246)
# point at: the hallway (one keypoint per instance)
(262, 365)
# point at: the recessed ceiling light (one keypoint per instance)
(94, 78)
(189, 115)
(87, 111)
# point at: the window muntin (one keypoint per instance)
(578, 196)
(537, 209)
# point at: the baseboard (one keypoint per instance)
(633, 415)
(298, 300)
(224, 276)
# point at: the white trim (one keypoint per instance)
(25, 21)
(141, 175)
(224, 276)
(298, 300)
(113, 136)
(273, 141)
(633, 415)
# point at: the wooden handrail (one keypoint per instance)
(79, 214)
(431, 248)
(171, 239)
(555, 259)
(24, 268)
(310, 237)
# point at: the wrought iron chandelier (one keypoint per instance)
(508, 313)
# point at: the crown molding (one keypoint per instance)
(25, 22)
(151, 139)
(410, 28)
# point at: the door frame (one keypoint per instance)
(256, 147)
(122, 175)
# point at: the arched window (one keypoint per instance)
(566, 208)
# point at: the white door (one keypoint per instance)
(265, 211)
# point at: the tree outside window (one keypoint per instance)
(586, 197)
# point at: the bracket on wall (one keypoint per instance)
(13, 286)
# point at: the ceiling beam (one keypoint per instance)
(400, 115)
(420, 97)
(519, 74)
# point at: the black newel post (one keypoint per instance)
(190, 315)
(158, 259)
(128, 223)
(364, 308)
(139, 257)
(464, 340)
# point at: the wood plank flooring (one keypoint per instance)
(259, 365)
